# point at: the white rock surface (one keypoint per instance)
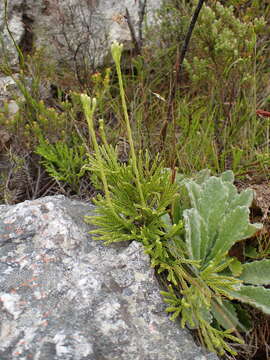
(67, 297)
(69, 29)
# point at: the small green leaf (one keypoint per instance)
(251, 252)
(193, 232)
(236, 267)
(175, 315)
(166, 219)
(225, 314)
(179, 178)
(234, 227)
(194, 193)
(244, 317)
(212, 205)
(257, 296)
(232, 192)
(227, 176)
(174, 230)
(172, 309)
(256, 272)
(251, 230)
(243, 199)
(205, 241)
(202, 176)
(177, 210)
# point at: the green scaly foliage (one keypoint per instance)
(63, 162)
(127, 219)
(187, 227)
(224, 52)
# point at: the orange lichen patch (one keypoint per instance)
(22, 303)
(119, 19)
(24, 285)
(28, 282)
(45, 258)
(40, 295)
(22, 342)
(19, 231)
(46, 314)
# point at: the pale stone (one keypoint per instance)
(66, 296)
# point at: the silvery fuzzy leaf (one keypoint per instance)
(227, 176)
(212, 204)
(235, 226)
(193, 232)
(256, 272)
(257, 296)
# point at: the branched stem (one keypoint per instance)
(89, 108)
(116, 52)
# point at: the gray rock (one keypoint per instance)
(65, 296)
(16, 26)
(9, 91)
(72, 29)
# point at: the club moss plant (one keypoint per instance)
(116, 53)
(187, 227)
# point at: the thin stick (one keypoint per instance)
(20, 54)
(178, 70)
(132, 33)
(137, 42)
(188, 36)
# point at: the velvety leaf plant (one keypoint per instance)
(217, 219)
(187, 226)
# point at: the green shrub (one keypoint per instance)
(187, 227)
(63, 161)
(223, 53)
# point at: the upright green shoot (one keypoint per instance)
(116, 53)
(89, 106)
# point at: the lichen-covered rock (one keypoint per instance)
(72, 31)
(16, 26)
(64, 296)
